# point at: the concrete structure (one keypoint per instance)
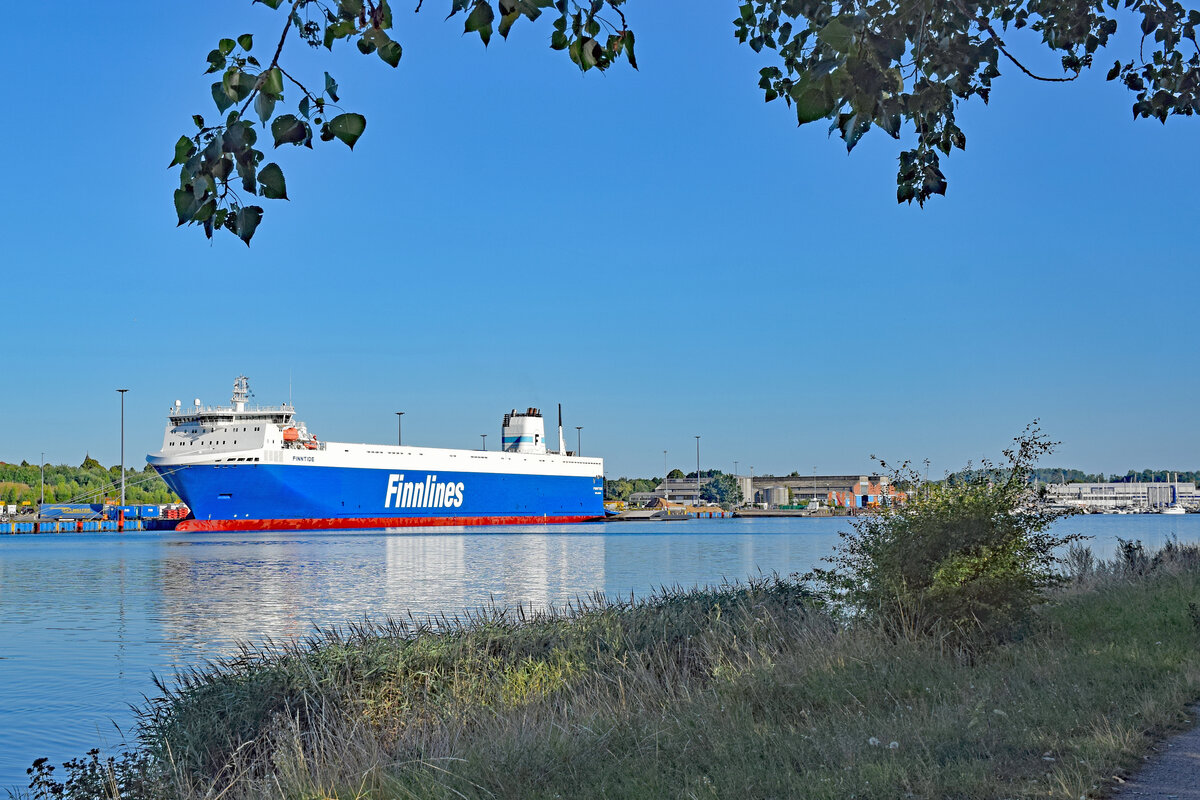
(852, 491)
(1133, 496)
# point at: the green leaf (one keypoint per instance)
(304, 106)
(247, 221)
(223, 169)
(590, 53)
(1114, 72)
(240, 135)
(348, 127)
(247, 171)
(199, 120)
(559, 41)
(837, 35)
(246, 41)
(288, 129)
(216, 61)
(339, 30)
(812, 100)
(186, 205)
(391, 53)
(270, 179)
(226, 46)
(269, 3)
(221, 97)
(273, 82)
(238, 85)
(264, 106)
(365, 46)
(183, 151)
(480, 21)
(331, 87)
(627, 36)
(506, 21)
(205, 211)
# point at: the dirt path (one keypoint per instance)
(1173, 772)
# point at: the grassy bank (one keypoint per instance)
(744, 691)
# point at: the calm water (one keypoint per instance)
(85, 619)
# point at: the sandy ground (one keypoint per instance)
(1172, 772)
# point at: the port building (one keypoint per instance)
(847, 491)
(1133, 496)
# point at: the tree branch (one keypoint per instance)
(262, 76)
(303, 88)
(986, 25)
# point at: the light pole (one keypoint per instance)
(697, 470)
(735, 471)
(578, 438)
(122, 392)
(484, 437)
(399, 428)
(43, 474)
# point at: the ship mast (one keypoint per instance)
(241, 393)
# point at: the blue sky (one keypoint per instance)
(659, 250)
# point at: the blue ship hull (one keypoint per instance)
(280, 496)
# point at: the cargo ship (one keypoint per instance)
(240, 467)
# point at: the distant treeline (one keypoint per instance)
(1052, 475)
(90, 482)
(622, 488)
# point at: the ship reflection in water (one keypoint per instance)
(220, 589)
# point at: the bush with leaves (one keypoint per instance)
(970, 554)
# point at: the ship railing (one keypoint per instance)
(183, 411)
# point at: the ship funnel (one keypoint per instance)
(524, 432)
(562, 446)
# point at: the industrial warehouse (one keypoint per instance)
(1125, 497)
(770, 491)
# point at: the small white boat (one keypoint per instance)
(1174, 508)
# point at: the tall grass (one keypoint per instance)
(742, 691)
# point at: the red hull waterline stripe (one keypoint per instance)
(369, 522)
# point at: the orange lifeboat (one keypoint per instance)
(290, 434)
(311, 444)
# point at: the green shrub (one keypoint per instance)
(972, 553)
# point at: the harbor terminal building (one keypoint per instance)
(1132, 496)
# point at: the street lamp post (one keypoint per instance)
(399, 428)
(578, 439)
(122, 392)
(43, 474)
(697, 470)
(484, 437)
